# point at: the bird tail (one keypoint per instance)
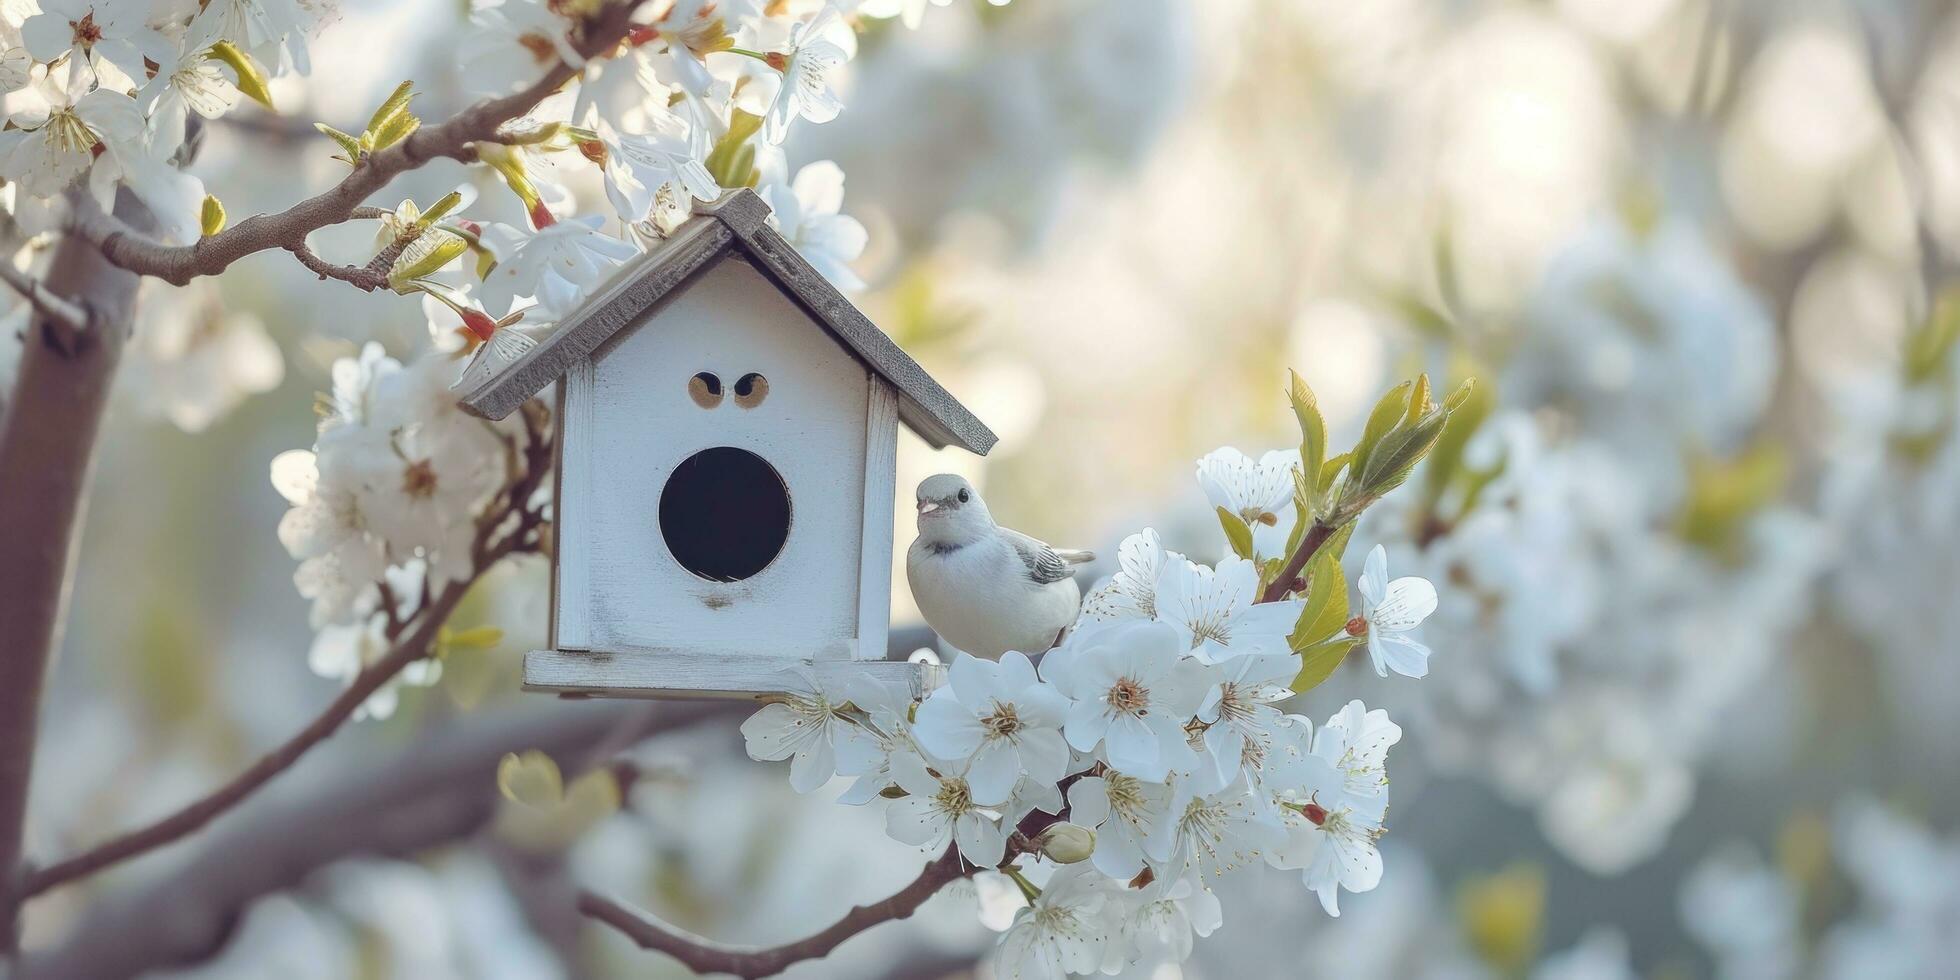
(1075, 557)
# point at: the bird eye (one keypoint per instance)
(751, 389)
(705, 389)
(965, 496)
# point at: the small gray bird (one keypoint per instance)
(984, 588)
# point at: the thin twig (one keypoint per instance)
(703, 956)
(356, 276)
(452, 139)
(1282, 583)
(67, 312)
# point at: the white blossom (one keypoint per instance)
(806, 728)
(999, 721)
(510, 44)
(195, 361)
(1063, 931)
(184, 84)
(1126, 812)
(1259, 492)
(272, 31)
(326, 532)
(806, 90)
(342, 652)
(807, 213)
(1217, 611)
(1160, 924)
(940, 806)
(1132, 592)
(638, 165)
(1133, 692)
(113, 31)
(556, 266)
(1333, 801)
(1238, 712)
(1218, 832)
(1392, 610)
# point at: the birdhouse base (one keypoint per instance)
(695, 676)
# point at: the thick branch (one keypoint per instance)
(703, 956)
(50, 305)
(288, 229)
(47, 443)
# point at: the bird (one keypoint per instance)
(987, 589)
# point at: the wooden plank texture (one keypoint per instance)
(688, 675)
(875, 554)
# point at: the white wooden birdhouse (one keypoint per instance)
(727, 435)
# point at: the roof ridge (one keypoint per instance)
(738, 220)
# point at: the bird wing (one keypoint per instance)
(1045, 565)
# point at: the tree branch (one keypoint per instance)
(47, 444)
(442, 788)
(67, 313)
(452, 139)
(703, 956)
(1310, 543)
(407, 649)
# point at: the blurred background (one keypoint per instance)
(1695, 704)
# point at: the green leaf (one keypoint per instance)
(395, 103)
(1305, 502)
(423, 257)
(1419, 403)
(724, 161)
(1318, 661)
(1331, 470)
(1462, 394)
(447, 203)
(398, 128)
(348, 144)
(1313, 428)
(1236, 532)
(477, 638)
(251, 80)
(1724, 494)
(510, 167)
(1398, 454)
(1467, 408)
(211, 219)
(1386, 416)
(1926, 348)
(1326, 609)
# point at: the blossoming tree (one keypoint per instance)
(1108, 782)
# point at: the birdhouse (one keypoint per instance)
(727, 434)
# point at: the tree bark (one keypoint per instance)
(47, 447)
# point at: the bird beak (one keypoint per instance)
(927, 507)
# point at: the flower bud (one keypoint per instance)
(1066, 843)
(478, 323)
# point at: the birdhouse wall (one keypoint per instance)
(666, 454)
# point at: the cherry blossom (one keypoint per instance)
(1133, 691)
(1216, 612)
(1392, 610)
(998, 719)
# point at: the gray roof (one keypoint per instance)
(735, 223)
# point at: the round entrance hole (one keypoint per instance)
(724, 514)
